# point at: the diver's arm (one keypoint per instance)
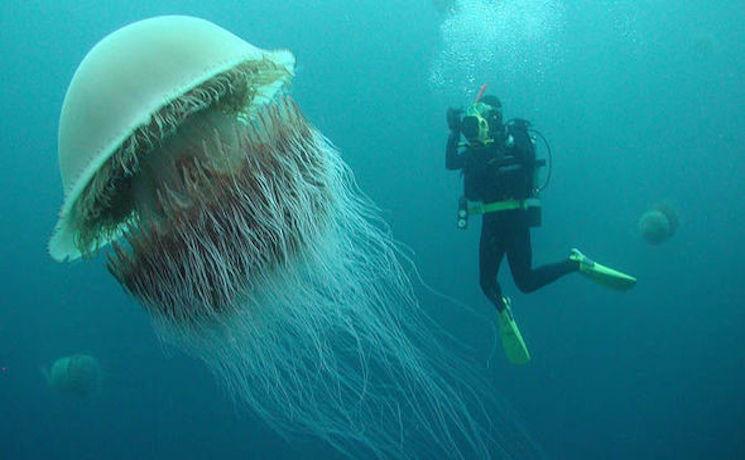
(453, 159)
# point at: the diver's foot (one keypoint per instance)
(601, 274)
(512, 340)
(581, 259)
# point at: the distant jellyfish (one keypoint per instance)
(239, 228)
(78, 375)
(444, 6)
(658, 224)
(704, 44)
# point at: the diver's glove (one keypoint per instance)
(454, 119)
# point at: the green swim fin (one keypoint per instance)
(601, 274)
(512, 341)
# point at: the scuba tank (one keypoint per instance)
(522, 132)
(548, 161)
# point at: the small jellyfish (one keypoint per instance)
(658, 224)
(703, 45)
(445, 6)
(78, 375)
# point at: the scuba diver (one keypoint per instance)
(499, 166)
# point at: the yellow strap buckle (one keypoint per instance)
(506, 205)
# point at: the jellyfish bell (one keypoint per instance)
(239, 228)
(658, 224)
(133, 90)
(654, 227)
(78, 375)
(134, 129)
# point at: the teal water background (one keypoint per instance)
(642, 101)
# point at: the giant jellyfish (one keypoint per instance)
(238, 227)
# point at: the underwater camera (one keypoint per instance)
(474, 128)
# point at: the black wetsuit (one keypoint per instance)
(504, 232)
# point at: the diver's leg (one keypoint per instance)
(491, 252)
(520, 257)
(494, 237)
